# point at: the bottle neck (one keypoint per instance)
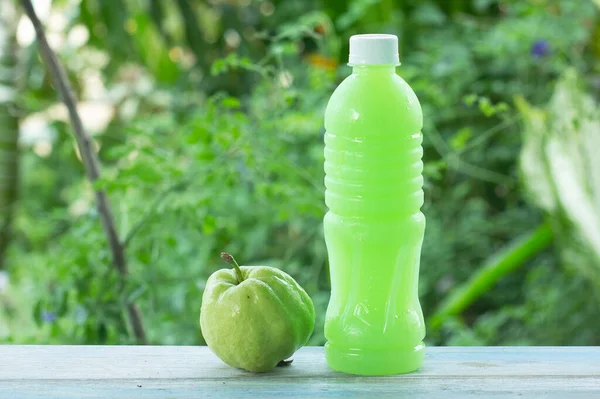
(373, 69)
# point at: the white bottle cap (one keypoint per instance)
(374, 49)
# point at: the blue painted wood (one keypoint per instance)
(61, 372)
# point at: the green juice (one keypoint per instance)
(374, 227)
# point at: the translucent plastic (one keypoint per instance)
(374, 227)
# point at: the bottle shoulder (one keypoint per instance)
(361, 101)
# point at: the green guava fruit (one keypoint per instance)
(255, 317)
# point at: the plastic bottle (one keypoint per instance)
(374, 227)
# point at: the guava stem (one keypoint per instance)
(231, 260)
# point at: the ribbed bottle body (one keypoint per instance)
(374, 227)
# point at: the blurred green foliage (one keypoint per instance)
(213, 141)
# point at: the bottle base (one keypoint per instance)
(374, 361)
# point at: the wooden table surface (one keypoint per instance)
(119, 372)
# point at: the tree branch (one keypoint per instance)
(91, 163)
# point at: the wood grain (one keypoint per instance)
(194, 372)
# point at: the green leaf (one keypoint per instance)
(433, 169)
(118, 152)
(561, 168)
(37, 313)
(209, 225)
(460, 138)
(64, 304)
(356, 10)
(429, 13)
(101, 183)
(146, 172)
(470, 99)
(486, 106)
(533, 160)
(231, 102)
(198, 134)
(152, 49)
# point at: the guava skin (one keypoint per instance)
(255, 324)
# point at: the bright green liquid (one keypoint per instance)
(374, 227)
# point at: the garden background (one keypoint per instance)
(207, 117)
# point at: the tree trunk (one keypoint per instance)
(92, 168)
(9, 125)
